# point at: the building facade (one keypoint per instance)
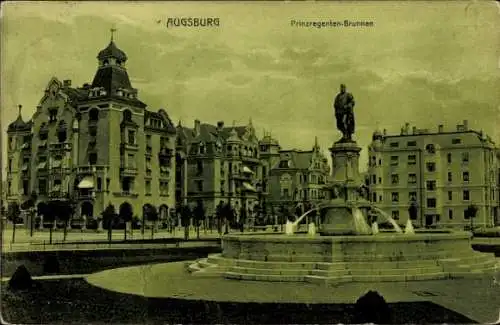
(298, 177)
(97, 144)
(216, 163)
(443, 172)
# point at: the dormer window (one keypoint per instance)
(105, 62)
(201, 149)
(131, 137)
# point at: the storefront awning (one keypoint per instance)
(249, 187)
(247, 170)
(86, 183)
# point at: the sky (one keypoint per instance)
(425, 63)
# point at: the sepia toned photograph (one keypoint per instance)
(250, 162)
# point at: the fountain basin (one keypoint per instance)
(333, 259)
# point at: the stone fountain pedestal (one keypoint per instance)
(344, 185)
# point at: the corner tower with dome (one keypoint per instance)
(97, 144)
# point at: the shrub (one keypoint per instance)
(372, 308)
(21, 279)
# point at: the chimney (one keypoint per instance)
(407, 127)
(197, 127)
(466, 125)
(67, 83)
(385, 132)
(220, 125)
(440, 128)
(414, 130)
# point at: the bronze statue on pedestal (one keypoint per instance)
(344, 113)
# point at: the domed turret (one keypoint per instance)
(18, 124)
(112, 51)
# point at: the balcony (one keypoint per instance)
(129, 146)
(126, 194)
(58, 194)
(128, 171)
(85, 195)
(90, 169)
(60, 146)
(250, 159)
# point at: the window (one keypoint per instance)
(42, 186)
(26, 187)
(412, 143)
(395, 215)
(11, 143)
(431, 203)
(199, 185)
(380, 162)
(201, 148)
(163, 142)
(394, 144)
(394, 179)
(94, 115)
(380, 198)
(450, 214)
(448, 158)
(131, 137)
(431, 185)
(431, 167)
(374, 197)
(148, 163)
(93, 158)
(465, 176)
(450, 177)
(148, 187)
(412, 160)
(127, 115)
(412, 196)
(126, 184)
(9, 168)
(199, 167)
(412, 178)
(456, 141)
(148, 142)
(52, 114)
(284, 164)
(465, 157)
(394, 160)
(285, 192)
(374, 179)
(380, 180)
(395, 197)
(450, 196)
(130, 161)
(466, 215)
(466, 195)
(430, 148)
(9, 187)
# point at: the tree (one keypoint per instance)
(126, 214)
(219, 211)
(109, 217)
(185, 219)
(13, 213)
(471, 214)
(151, 214)
(65, 209)
(199, 216)
(413, 210)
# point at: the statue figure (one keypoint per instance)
(344, 105)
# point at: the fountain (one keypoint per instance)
(346, 249)
(409, 228)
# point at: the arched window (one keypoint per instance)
(94, 114)
(105, 62)
(430, 148)
(127, 115)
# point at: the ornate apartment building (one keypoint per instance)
(298, 177)
(444, 172)
(97, 143)
(218, 163)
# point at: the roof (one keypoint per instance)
(112, 51)
(18, 124)
(209, 133)
(267, 139)
(160, 115)
(300, 159)
(76, 94)
(111, 78)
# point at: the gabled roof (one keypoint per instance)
(160, 115)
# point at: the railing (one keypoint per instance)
(60, 146)
(90, 169)
(128, 171)
(250, 159)
(125, 194)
